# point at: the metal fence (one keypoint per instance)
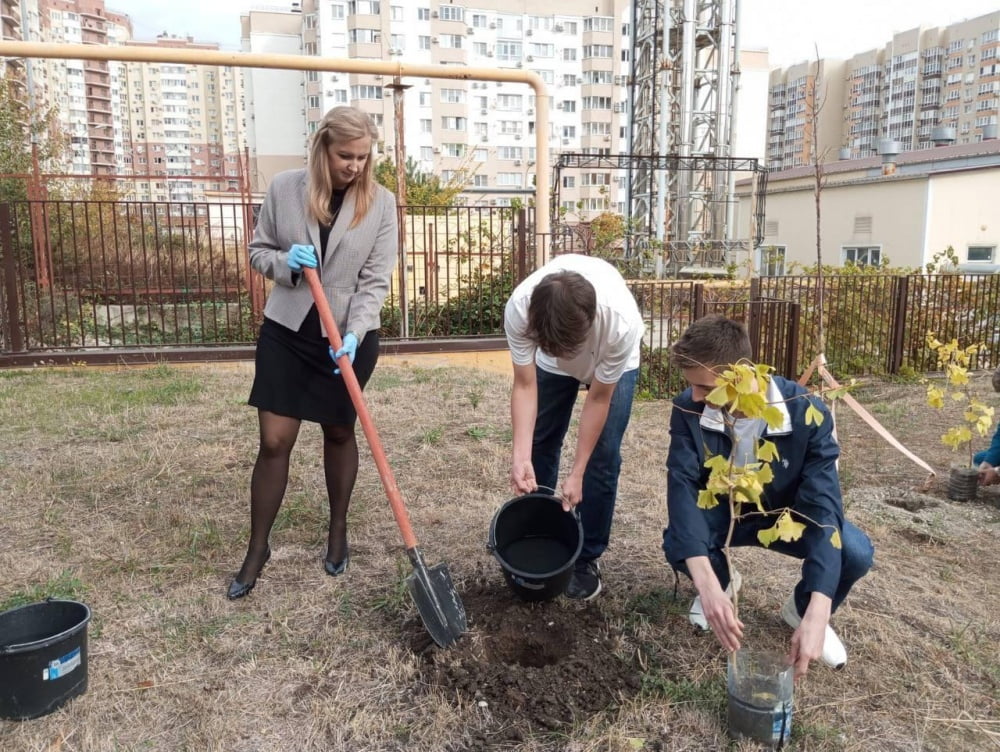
(92, 280)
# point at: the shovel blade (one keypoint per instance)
(438, 602)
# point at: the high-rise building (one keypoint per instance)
(925, 87)
(480, 132)
(124, 118)
(180, 121)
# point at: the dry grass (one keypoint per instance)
(127, 489)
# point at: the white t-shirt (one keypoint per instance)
(611, 348)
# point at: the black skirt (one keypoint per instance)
(294, 373)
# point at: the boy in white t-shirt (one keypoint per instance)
(573, 322)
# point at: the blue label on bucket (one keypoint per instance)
(61, 666)
(782, 722)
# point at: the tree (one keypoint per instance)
(21, 125)
(422, 188)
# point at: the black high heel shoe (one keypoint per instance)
(239, 589)
(337, 568)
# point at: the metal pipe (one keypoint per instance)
(686, 116)
(734, 110)
(330, 65)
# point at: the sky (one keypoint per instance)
(791, 30)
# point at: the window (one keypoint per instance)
(366, 91)
(510, 179)
(509, 152)
(426, 125)
(424, 43)
(569, 54)
(862, 255)
(542, 50)
(569, 131)
(509, 102)
(313, 103)
(364, 36)
(453, 150)
(597, 50)
(453, 123)
(364, 7)
(982, 254)
(569, 181)
(451, 41)
(568, 105)
(454, 96)
(508, 50)
(480, 48)
(423, 14)
(479, 20)
(337, 11)
(481, 155)
(452, 13)
(598, 23)
(771, 260)
(426, 153)
(425, 99)
(480, 181)
(396, 12)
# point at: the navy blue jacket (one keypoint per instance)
(805, 480)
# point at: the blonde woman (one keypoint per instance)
(333, 217)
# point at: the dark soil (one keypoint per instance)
(527, 668)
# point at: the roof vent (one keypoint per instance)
(943, 135)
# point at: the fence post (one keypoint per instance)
(901, 287)
(792, 340)
(520, 246)
(11, 306)
(699, 301)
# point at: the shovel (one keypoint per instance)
(431, 588)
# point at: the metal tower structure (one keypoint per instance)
(685, 77)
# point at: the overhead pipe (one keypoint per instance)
(136, 54)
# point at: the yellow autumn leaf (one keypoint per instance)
(767, 537)
(750, 405)
(935, 397)
(718, 396)
(773, 416)
(717, 463)
(835, 539)
(707, 500)
(766, 474)
(788, 529)
(767, 451)
(813, 415)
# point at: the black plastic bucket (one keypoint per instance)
(43, 657)
(536, 543)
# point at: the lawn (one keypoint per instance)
(127, 489)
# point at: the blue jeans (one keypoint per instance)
(556, 398)
(856, 552)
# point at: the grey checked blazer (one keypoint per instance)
(355, 267)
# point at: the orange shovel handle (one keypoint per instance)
(354, 389)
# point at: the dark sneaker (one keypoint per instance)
(585, 582)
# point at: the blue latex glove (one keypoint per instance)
(349, 347)
(301, 255)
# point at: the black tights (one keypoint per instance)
(270, 477)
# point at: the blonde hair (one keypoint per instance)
(338, 126)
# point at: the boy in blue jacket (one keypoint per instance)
(805, 481)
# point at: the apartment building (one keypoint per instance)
(12, 20)
(925, 87)
(164, 122)
(798, 96)
(180, 121)
(482, 133)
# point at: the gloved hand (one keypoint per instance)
(301, 255)
(349, 347)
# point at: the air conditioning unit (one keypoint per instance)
(493, 25)
(517, 162)
(395, 51)
(484, 139)
(517, 136)
(434, 14)
(607, 139)
(437, 150)
(470, 31)
(434, 40)
(557, 28)
(565, 142)
(489, 53)
(331, 93)
(484, 111)
(559, 105)
(528, 33)
(520, 64)
(531, 59)
(579, 80)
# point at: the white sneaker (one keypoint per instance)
(834, 653)
(695, 614)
